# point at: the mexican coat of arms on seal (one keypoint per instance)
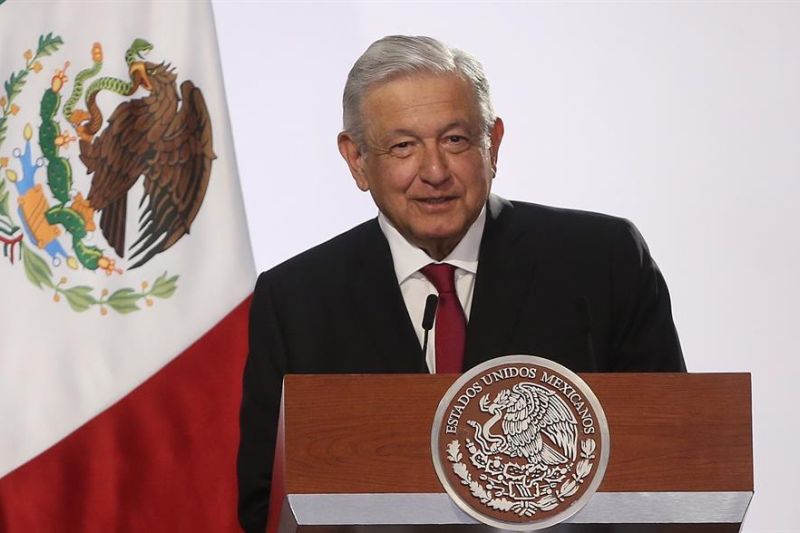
(520, 442)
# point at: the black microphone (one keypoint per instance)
(431, 303)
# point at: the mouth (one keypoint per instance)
(438, 200)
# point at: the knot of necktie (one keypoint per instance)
(442, 276)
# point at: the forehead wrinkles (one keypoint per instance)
(420, 105)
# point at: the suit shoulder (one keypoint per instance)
(566, 222)
(328, 258)
(577, 230)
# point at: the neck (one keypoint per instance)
(439, 251)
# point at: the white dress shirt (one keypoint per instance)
(415, 287)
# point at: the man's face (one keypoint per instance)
(425, 162)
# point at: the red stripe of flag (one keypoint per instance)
(161, 459)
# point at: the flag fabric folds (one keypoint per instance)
(125, 272)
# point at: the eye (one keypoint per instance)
(456, 143)
(402, 149)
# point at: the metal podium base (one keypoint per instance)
(642, 512)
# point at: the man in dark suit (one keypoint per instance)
(421, 136)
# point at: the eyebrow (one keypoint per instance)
(399, 132)
(410, 133)
(455, 124)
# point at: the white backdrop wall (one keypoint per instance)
(683, 117)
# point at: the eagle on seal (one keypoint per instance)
(536, 425)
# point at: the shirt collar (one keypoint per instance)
(408, 258)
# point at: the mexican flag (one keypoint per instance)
(125, 271)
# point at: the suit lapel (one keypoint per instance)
(506, 266)
(380, 307)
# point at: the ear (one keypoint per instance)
(355, 159)
(496, 137)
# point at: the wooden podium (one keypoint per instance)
(353, 455)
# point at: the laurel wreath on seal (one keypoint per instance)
(526, 508)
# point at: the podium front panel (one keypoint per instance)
(356, 455)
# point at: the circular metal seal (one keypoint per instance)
(520, 442)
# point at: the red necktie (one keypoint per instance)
(451, 324)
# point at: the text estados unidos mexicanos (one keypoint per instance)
(568, 391)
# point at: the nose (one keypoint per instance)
(433, 168)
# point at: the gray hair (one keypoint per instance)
(398, 55)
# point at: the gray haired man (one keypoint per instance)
(420, 135)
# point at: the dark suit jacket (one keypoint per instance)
(575, 287)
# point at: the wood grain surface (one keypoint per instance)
(371, 433)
